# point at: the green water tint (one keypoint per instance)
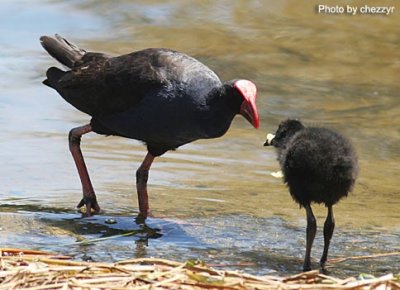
(333, 70)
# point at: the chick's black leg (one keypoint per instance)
(311, 230)
(142, 175)
(89, 197)
(329, 227)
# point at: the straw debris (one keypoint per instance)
(36, 270)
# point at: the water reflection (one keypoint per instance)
(337, 71)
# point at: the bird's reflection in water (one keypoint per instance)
(97, 234)
(147, 233)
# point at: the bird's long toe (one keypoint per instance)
(89, 206)
(306, 267)
(143, 215)
(323, 269)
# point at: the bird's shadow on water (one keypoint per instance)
(99, 238)
(104, 234)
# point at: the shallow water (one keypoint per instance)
(214, 200)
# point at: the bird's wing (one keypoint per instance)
(102, 86)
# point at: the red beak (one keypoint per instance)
(248, 109)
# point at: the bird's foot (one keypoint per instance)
(306, 267)
(142, 216)
(91, 206)
(323, 269)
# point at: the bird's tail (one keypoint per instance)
(62, 50)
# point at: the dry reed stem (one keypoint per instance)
(380, 255)
(44, 271)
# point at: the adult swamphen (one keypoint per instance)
(319, 165)
(159, 96)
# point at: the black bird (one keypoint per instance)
(159, 96)
(318, 165)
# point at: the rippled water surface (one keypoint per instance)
(214, 200)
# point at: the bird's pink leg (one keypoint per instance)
(89, 197)
(142, 175)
